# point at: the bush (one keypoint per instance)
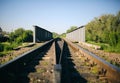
(8, 47)
(19, 40)
(115, 49)
(103, 47)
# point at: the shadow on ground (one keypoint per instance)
(69, 73)
(18, 74)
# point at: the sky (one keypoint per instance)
(53, 15)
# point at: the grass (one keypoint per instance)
(107, 47)
(86, 64)
(4, 53)
(45, 63)
(113, 49)
(6, 47)
(94, 70)
(99, 44)
(40, 70)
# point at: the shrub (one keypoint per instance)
(19, 39)
(103, 47)
(8, 47)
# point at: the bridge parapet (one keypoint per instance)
(40, 34)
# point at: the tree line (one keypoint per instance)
(21, 35)
(63, 35)
(11, 40)
(105, 29)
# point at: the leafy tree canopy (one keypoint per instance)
(104, 29)
(71, 29)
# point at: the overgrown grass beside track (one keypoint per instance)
(6, 56)
(6, 47)
(107, 47)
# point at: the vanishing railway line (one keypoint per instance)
(59, 61)
(93, 68)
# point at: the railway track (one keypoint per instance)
(58, 61)
(112, 58)
(23, 68)
(93, 68)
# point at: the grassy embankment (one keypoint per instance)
(107, 47)
(7, 47)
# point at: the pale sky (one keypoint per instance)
(53, 15)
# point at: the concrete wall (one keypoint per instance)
(77, 35)
(40, 34)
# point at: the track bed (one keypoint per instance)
(59, 61)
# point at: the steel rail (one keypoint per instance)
(112, 72)
(17, 64)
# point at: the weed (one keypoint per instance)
(40, 70)
(94, 70)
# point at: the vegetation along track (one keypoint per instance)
(58, 61)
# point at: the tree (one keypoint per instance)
(19, 32)
(55, 35)
(71, 29)
(20, 35)
(105, 28)
(28, 36)
(63, 35)
(1, 32)
(3, 35)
